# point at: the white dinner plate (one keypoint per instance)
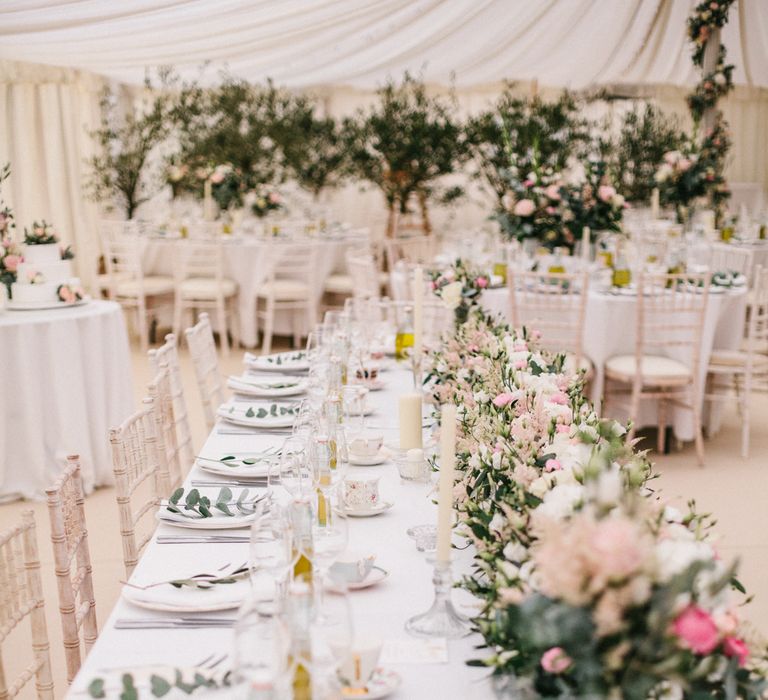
(382, 683)
(167, 598)
(364, 461)
(237, 469)
(216, 522)
(279, 362)
(381, 507)
(267, 387)
(236, 413)
(43, 305)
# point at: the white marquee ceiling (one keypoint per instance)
(572, 43)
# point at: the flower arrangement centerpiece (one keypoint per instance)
(227, 186)
(460, 288)
(178, 178)
(594, 203)
(41, 233)
(266, 200)
(532, 209)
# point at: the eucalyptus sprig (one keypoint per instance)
(275, 410)
(287, 357)
(198, 506)
(159, 686)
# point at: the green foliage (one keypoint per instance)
(405, 143)
(117, 171)
(646, 135)
(540, 134)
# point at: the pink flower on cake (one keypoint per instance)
(66, 294)
(555, 660)
(697, 630)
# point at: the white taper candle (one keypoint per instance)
(447, 471)
(585, 235)
(410, 421)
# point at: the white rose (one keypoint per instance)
(452, 294)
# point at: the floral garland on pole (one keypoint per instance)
(591, 586)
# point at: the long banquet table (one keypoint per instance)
(381, 610)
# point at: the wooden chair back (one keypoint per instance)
(135, 460)
(170, 468)
(72, 561)
(21, 596)
(168, 354)
(202, 348)
(553, 304)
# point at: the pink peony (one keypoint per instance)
(503, 399)
(11, 262)
(606, 192)
(733, 646)
(482, 282)
(217, 178)
(552, 465)
(555, 660)
(525, 207)
(696, 629)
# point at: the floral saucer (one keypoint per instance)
(369, 461)
(378, 509)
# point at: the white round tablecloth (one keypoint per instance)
(610, 328)
(249, 262)
(66, 379)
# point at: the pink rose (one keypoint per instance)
(481, 282)
(733, 646)
(525, 207)
(555, 660)
(561, 399)
(563, 428)
(521, 364)
(553, 192)
(503, 399)
(696, 629)
(684, 164)
(11, 262)
(606, 192)
(217, 178)
(66, 295)
(553, 465)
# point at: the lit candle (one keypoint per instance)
(655, 203)
(410, 421)
(418, 310)
(208, 201)
(445, 493)
(585, 244)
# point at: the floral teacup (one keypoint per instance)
(360, 494)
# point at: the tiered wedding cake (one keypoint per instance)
(43, 277)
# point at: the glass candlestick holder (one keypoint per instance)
(416, 368)
(441, 620)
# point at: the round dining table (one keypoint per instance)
(65, 375)
(610, 329)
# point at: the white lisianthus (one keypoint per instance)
(674, 556)
(497, 522)
(514, 551)
(452, 294)
(509, 570)
(609, 487)
(482, 397)
(539, 487)
(561, 501)
(496, 460)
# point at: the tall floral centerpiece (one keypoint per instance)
(460, 288)
(593, 203)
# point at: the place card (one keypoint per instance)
(414, 651)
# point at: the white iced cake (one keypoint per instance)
(41, 274)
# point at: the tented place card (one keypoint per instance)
(414, 651)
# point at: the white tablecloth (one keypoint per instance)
(249, 262)
(381, 610)
(609, 329)
(66, 379)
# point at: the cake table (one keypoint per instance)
(65, 378)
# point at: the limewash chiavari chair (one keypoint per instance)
(291, 287)
(555, 305)
(135, 460)
(69, 536)
(167, 354)
(21, 595)
(202, 348)
(201, 284)
(170, 468)
(127, 283)
(364, 275)
(736, 369)
(670, 317)
(725, 257)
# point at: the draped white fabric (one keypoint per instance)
(360, 42)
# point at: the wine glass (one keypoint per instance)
(295, 475)
(331, 636)
(261, 652)
(330, 534)
(271, 554)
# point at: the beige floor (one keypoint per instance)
(732, 488)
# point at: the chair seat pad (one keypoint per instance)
(656, 369)
(338, 284)
(285, 290)
(735, 358)
(206, 288)
(152, 284)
